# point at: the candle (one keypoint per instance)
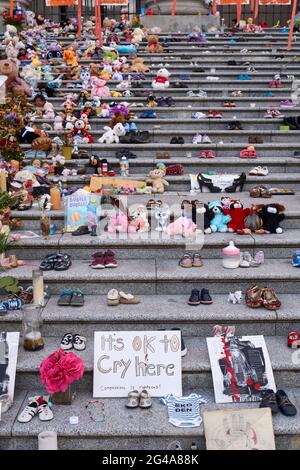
(55, 198)
(38, 287)
(47, 440)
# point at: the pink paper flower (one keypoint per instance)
(59, 370)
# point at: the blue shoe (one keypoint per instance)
(268, 93)
(133, 127)
(13, 303)
(3, 309)
(296, 259)
(231, 40)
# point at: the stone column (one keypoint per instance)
(184, 7)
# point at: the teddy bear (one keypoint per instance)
(157, 181)
(153, 46)
(79, 132)
(161, 81)
(183, 226)
(99, 88)
(271, 215)
(112, 136)
(219, 221)
(70, 58)
(238, 214)
(94, 70)
(138, 66)
(199, 211)
(14, 84)
(162, 215)
(137, 36)
(11, 51)
(118, 223)
(116, 119)
(31, 75)
(253, 221)
(138, 220)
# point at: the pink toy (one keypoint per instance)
(182, 226)
(118, 224)
(99, 88)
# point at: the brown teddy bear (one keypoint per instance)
(14, 84)
(138, 66)
(153, 46)
(118, 118)
(157, 180)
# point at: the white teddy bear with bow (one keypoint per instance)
(112, 136)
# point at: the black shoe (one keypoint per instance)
(269, 401)
(284, 404)
(194, 298)
(183, 346)
(81, 230)
(94, 231)
(205, 297)
(238, 182)
(174, 140)
(180, 140)
(125, 153)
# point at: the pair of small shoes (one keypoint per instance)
(188, 261)
(139, 400)
(226, 331)
(70, 341)
(247, 261)
(278, 401)
(104, 260)
(115, 297)
(201, 139)
(262, 297)
(36, 405)
(56, 262)
(259, 171)
(197, 297)
(177, 140)
(71, 298)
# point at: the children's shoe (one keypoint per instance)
(206, 139)
(29, 411)
(79, 342)
(145, 400)
(198, 115)
(197, 139)
(205, 297)
(296, 259)
(113, 298)
(110, 260)
(284, 404)
(195, 298)
(287, 104)
(67, 342)
(44, 412)
(98, 261)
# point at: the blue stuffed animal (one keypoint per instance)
(219, 221)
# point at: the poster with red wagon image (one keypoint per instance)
(241, 368)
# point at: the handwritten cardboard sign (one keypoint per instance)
(137, 360)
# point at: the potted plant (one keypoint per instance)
(58, 372)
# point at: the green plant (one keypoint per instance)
(6, 200)
(9, 284)
(4, 242)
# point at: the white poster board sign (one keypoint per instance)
(137, 360)
(9, 345)
(241, 368)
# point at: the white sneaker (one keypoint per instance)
(45, 413)
(29, 411)
(259, 171)
(212, 78)
(197, 139)
(206, 139)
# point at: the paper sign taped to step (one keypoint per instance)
(137, 360)
(9, 345)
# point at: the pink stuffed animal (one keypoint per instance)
(182, 226)
(99, 88)
(118, 224)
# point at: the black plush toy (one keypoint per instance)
(199, 211)
(271, 215)
(96, 163)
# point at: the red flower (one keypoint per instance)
(59, 370)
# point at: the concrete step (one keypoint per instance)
(165, 276)
(157, 312)
(131, 246)
(126, 429)
(196, 369)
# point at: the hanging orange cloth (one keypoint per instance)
(174, 7)
(292, 24)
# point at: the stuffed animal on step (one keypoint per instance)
(138, 220)
(99, 88)
(137, 36)
(161, 80)
(253, 221)
(14, 84)
(112, 136)
(183, 226)
(157, 181)
(118, 223)
(271, 215)
(235, 297)
(79, 133)
(85, 77)
(153, 46)
(70, 58)
(138, 66)
(238, 214)
(219, 221)
(162, 215)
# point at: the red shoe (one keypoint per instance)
(293, 340)
(229, 105)
(110, 260)
(98, 261)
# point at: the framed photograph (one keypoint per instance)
(9, 345)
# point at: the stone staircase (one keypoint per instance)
(149, 268)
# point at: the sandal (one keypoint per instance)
(145, 400)
(254, 297)
(270, 299)
(197, 261)
(284, 404)
(65, 298)
(62, 262)
(128, 299)
(77, 299)
(48, 263)
(133, 399)
(186, 261)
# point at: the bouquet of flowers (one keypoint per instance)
(61, 369)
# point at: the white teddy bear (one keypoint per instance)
(112, 135)
(161, 80)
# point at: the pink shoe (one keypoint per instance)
(98, 261)
(110, 260)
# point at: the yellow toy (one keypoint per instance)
(70, 58)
